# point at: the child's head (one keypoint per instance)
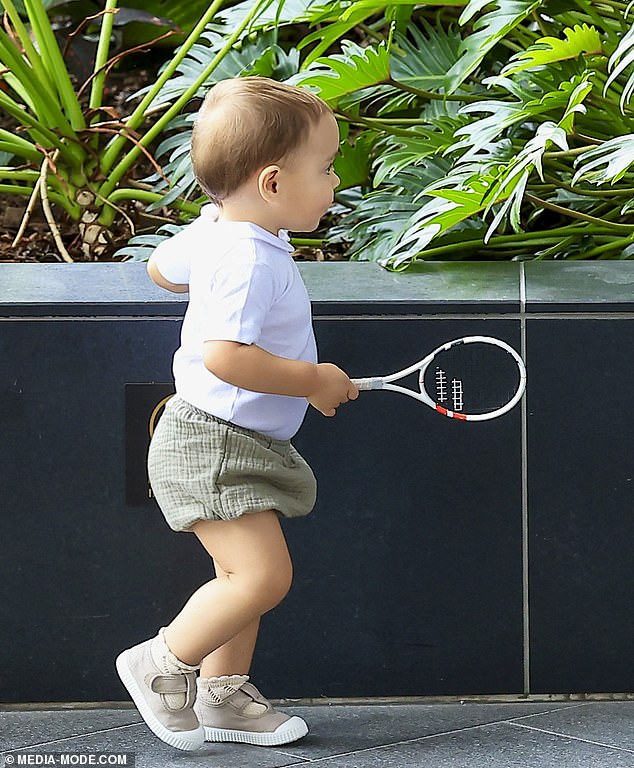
(248, 124)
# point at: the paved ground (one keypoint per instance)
(595, 734)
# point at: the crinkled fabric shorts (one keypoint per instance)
(203, 468)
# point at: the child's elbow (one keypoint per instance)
(157, 278)
(217, 358)
(153, 272)
(210, 357)
(226, 360)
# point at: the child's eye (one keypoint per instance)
(330, 168)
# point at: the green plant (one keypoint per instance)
(504, 133)
(471, 129)
(496, 129)
(70, 148)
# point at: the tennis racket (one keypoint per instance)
(475, 378)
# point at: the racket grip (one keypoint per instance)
(371, 383)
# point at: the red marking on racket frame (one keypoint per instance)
(451, 414)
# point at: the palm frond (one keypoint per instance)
(140, 247)
(620, 61)
(607, 163)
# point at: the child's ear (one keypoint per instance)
(268, 180)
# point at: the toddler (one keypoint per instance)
(220, 462)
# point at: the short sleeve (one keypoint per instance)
(173, 256)
(238, 302)
(173, 262)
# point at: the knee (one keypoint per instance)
(270, 586)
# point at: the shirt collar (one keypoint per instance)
(251, 230)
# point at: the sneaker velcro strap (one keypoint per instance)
(173, 684)
(252, 692)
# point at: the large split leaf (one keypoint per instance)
(488, 30)
(341, 74)
(581, 39)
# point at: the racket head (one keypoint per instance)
(475, 378)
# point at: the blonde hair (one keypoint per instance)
(245, 124)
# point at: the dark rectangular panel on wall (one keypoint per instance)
(81, 569)
(580, 477)
(408, 574)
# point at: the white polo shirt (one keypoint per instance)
(243, 286)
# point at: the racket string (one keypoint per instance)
(475, 378)
(480, 375)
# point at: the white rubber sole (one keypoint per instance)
(188, 741)
(291, 730)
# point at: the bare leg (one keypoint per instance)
(255, 575)
(234, 657)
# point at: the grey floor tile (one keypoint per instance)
(343, 728)
(516, 735)
(493, 746)
(19, 729)
(603, 722)
(150, 752)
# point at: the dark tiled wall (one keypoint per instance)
(411, 574)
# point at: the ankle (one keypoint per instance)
(214, 690)
(166, 661)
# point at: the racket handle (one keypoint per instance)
(371, 383)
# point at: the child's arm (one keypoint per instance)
(250, 367)
(162, 282)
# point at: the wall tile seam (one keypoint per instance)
(526, 648)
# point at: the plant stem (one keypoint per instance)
(621, 242)
(315, 242)
(576, 214)
(24, 175)
(38, 131)
(101, 58)
(543, 28)
(568, 152)
(375, 123)
(48, 213)
(54, 62)
(138, 115)
(544, 237)
(28, 67)
(401, 86)
(615, 192)
(371, 32)
(152, 197)
(54, 197)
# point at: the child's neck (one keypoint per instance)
(242, 210)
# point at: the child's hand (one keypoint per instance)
(333, 388)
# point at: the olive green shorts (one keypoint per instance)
(203, 468)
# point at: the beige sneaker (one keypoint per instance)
(232, 709)
(164, 693)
